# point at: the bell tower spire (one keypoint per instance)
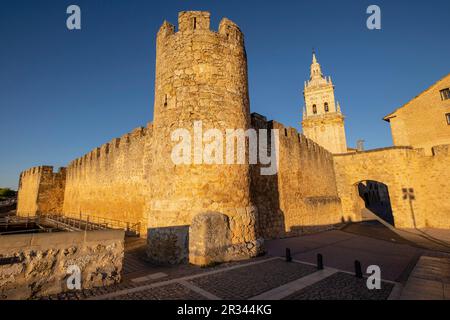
(316, 71)
(323, 121)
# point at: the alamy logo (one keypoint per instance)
(73, 22)
(374, 20)
(74, 280)
(374, 280)
(215, 147)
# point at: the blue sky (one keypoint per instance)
(64, 92)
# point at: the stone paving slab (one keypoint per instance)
(429, 280)
(422, 289)
(152, 276)
(343, 258)
(431, 268)
(393, 258)
(280, 292)
(173, 291)
(447, 291)
(342, 286)
(244, 283)
(308, 242)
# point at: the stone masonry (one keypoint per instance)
(36, 265)
(207, 213)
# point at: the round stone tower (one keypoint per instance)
(201, 75)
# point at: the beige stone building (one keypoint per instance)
(424, 121)
(323, 121)
(219, 211)
(206, 213)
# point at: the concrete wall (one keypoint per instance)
(421, 123)
(400, 169)
(36, 265)
(41, 191)
(108, 181)
(302, 197)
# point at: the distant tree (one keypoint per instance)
(7, 193)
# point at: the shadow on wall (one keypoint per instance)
(376, 198)
(264, 192)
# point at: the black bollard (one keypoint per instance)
(319, 262)
(358, 271)
(288, 255)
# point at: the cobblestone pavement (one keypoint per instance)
(244, 283)
(140, 267)
(270, 276)
(342, 286)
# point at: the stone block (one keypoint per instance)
(168, 245)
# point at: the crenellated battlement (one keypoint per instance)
(441, 150)
(41, 169)
(193, 23)
(305, 173)
(41, 190)
(111, 148)
(290, 137)
(166, 30)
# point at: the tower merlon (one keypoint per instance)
(188, 21)
(195, 21)
(231, 30)
(166, 29)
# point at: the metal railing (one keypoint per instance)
(53, 222)
(12, 224)
(88, 222)
(8, 202)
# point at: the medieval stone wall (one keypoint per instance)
(41, 191)
(108, 181)
(403, 170)
(302, 196)
(201, 75)
(28, 192)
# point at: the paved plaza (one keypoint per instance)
(409, 270)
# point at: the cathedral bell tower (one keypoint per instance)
(323, 121)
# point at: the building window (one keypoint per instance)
(445, 94)
(194, 23)
(165, 101)
(447, 116)
(326, 107)
(314, 109)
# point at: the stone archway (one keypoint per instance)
(375, 195)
